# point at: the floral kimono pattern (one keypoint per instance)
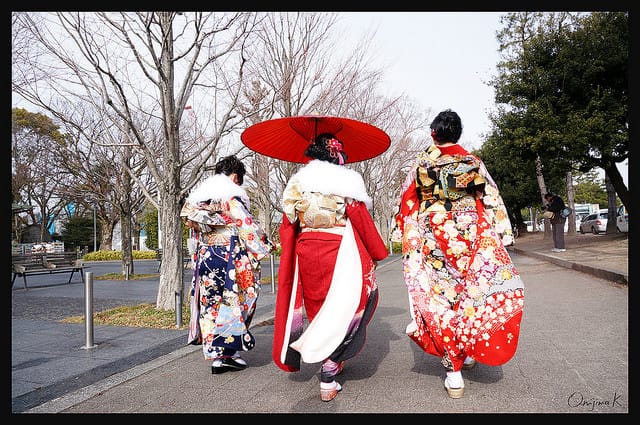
(466, 297)
(226, 278)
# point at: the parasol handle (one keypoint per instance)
(315, 129)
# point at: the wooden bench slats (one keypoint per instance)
(46, 263)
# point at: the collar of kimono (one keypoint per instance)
(328, 178)
(435, 151)
(218, 187)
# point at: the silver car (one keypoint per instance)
(594, 223)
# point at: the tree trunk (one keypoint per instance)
(170, 240)
(543, 191)
(571, 229)
(126, 218)
(615, 179)
(611, 206)
(105, 234)
(127, 253)
(44, 232)
(171, 270)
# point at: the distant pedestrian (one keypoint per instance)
(555, 204)
(226, 278)
(466, 297)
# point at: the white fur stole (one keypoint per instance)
(332, 179)
(218, 187)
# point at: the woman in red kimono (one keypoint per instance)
(466, 297)
(330, 247)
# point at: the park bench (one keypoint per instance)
(46, 263)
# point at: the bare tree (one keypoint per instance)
(296, 70)
(139, 71)
(287, 68)
(98, 178)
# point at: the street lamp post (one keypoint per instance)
(95, 238)
(159, 231)
(389, 221)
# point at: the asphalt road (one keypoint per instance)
(572, 358)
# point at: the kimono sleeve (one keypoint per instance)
(409, 202)
(366, 229)
(250, 231)
(495, 209)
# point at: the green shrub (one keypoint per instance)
(117, 255)
(396, 246)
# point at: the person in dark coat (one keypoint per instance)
(555, 204)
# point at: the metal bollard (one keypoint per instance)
(272, 274)
(88, 310)
(178, 309)
(126, 271)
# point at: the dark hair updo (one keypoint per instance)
(229, 165)
(326, 148)
(446, 127)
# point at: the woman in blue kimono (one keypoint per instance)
(226, 277)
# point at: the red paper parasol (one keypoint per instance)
(287, 138)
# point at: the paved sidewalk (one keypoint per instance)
(604, 256)
(50, 359)
(53, 372)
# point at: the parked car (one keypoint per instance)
(595, 223)
(529, 224)
(622, 219)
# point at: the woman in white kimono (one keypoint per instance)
(226, 277)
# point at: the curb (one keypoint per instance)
(57, 405)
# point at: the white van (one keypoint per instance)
(622, 219)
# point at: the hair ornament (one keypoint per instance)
(434, 136)
(335, 149)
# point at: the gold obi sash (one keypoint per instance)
(220, 236)
(448, 182)
(318, 211)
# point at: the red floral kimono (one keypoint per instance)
(466, 297)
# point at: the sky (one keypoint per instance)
(440, 60)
